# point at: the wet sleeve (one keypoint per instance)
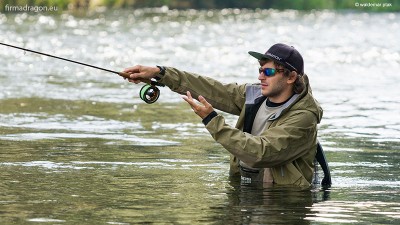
(290, 139)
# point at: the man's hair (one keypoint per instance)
(299, 84)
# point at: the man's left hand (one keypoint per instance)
(203, 109)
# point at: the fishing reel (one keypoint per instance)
(149, 93)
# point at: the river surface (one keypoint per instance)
(78, 146)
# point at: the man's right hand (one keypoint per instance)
(139, 72)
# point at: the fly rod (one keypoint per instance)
(148, 93)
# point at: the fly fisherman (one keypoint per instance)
(275, 138)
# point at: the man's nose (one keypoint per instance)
(261, 76)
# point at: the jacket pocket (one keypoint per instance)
(288, 174)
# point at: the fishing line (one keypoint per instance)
(149, 93)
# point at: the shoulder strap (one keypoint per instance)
(251, 112)
(320, 156)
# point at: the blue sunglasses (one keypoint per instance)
(269, 72)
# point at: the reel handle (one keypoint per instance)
(149, 93)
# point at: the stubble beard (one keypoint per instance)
(274, 92)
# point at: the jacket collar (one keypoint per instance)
(284, 106)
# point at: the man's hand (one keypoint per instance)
(203, 109)
(141, 72)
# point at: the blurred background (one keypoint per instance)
(362, 5)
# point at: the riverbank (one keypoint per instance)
(8, 6)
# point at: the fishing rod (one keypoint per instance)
(149, 93)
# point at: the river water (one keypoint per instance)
(78, 146)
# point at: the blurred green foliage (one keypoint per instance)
(357, 5)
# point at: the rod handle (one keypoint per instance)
(147, 81)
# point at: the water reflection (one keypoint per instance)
(355, 212)
(261, 204)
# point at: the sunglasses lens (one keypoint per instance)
(267, 71)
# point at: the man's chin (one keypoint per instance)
(265, 93)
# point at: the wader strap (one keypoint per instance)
(251, 112)
(324, 165)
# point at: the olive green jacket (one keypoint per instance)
(288, 146)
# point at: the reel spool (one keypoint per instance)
(149, 93)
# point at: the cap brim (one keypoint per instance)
(261, 56)
(258, 55)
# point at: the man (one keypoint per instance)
(275, 138)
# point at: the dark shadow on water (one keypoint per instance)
(269, 204)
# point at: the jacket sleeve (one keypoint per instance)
(229, 98)
(288, 140)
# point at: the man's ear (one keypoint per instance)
(292, 77)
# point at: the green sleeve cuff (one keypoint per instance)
(208, 118)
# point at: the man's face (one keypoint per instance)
(272, 86)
